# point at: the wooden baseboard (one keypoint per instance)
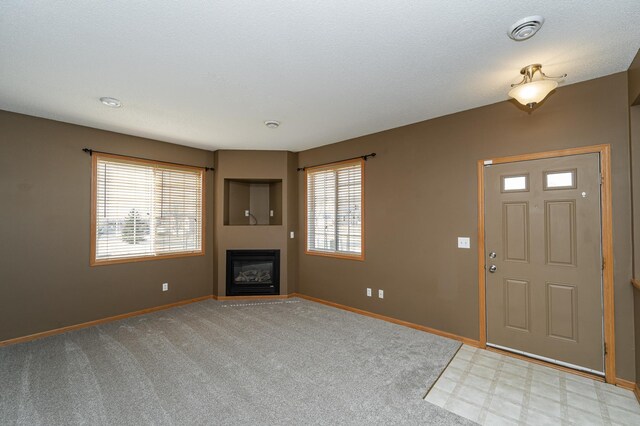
(462, 339)
(265, 297)
(61, 330)
(626, 384)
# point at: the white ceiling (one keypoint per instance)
(209, 73)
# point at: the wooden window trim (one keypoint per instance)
(336, 255)
(94, 192)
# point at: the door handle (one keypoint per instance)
(493, 268)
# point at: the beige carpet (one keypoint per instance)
(285, 362)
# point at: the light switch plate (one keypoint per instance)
(292, 234)
(464, 242)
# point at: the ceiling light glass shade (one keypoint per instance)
(531, 93)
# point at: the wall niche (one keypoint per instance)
(252, 202)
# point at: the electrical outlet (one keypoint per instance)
(246, 213)
(368, 292)
(380, 294)
(292, 234)
(271, 213)
(464, 242)
(165, 286)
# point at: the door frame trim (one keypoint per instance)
(606, 234)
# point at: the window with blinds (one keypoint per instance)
(335, 210)
(144, 210)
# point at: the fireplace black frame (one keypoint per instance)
(255, 289)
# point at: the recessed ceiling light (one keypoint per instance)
(525, 28)
(272, 124)
(111, 102)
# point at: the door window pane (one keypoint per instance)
(560, 180)
(515, 183)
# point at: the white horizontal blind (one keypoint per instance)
(348, 211)
(146, 209)
(321, 211)
(334, 209)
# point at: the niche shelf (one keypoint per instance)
(262, 198)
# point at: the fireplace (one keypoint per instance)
(253, 272)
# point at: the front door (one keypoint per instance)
(543, 259)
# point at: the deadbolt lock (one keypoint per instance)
(492, 255)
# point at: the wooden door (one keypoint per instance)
(543, 259)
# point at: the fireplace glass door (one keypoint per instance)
(253, 272)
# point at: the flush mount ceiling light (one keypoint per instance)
(525, 28)
(111, 102)
(529, 92)
(272, 124)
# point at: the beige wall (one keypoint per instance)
(45, 186)
(218, 218)
(634, 115)
(259, 202)
(236, 198)
(293, 221)
(421, 194)
(253, 165)
(634, 128)
(275, 202)
(634, 80)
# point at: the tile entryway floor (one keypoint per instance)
(494, 389)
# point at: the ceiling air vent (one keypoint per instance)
(526, 28)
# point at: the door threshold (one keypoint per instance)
(547, 362)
